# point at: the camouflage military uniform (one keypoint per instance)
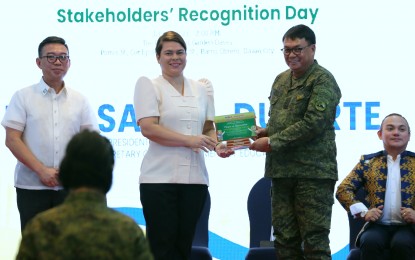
(83, 227)
(302, 163)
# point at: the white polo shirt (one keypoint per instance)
(48, 121)
(183, 114)
(393, 200)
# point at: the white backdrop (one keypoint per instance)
(112, 43)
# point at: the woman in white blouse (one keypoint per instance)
(176, 114)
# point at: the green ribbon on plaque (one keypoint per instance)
(236, 129)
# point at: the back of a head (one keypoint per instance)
(88, 162)
(300, 31)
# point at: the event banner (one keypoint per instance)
(236, 45)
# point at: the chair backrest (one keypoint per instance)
(259, 212)
(201, 237)
(355, 225)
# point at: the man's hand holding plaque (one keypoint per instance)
(262, 141)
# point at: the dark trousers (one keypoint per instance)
(399, 239)
(171, 212)
(32, 202)
(301, 216)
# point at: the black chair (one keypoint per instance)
(259, 211)
(355, 225)
(200, 246)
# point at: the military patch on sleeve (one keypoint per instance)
(299, 97)
(320, 105)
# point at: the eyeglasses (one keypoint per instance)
(53, 58)
(296, 51)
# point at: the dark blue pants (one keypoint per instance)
(32, 202)
(399, 239)
(171, 212)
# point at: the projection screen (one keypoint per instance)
(236, 45)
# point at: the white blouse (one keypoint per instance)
(183, 114)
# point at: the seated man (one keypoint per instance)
(388, 178)
(83, 227)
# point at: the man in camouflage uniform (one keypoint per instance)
(301, 152)
(83, 227)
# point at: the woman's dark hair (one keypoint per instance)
(169, 36)
(88, 162)
(49, 40)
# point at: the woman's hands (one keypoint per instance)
(206, 143)
(203, 142)
(223, 151)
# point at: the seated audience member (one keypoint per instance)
(388, 178)
(83, 227)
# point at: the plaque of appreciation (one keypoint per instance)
(236, 129)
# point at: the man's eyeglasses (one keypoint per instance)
(53, 58)
(296, 51)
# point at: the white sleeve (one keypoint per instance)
(89, 120)
(357, 208)
(145, 99)
(210, 111)
(15, 116)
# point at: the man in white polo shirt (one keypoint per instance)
(39, 121)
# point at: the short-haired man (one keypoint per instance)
(39, 121)
(301, 151)
(388, 178)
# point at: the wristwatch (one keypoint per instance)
(363, 213)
